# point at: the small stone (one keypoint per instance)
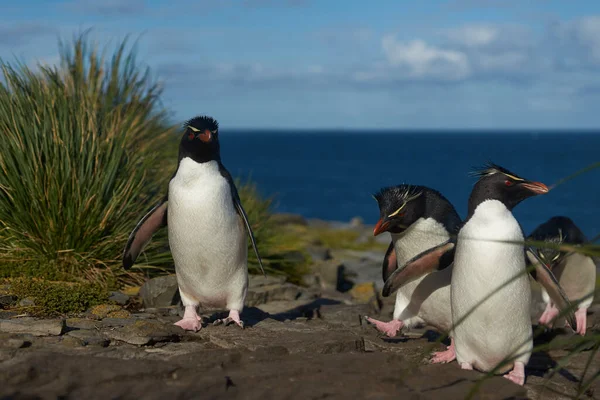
(90, 338)
(7, 300)
(146, 332)
(119, 298)
(160, 292)
(103, 310)
(82, 323)
(47, 327)
(28, 302)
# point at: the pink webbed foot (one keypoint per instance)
(189, 324)
(517, 375)
(581, 317)
(234, 316)
(191, 321)
(548, 316)
(466, 366)
(442, 357)
(389, 328)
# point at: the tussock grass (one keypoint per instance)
(79, 143)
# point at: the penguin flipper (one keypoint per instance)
(544, 276)
(436, 258)
(241, 212)
(390, 263)
(142, 233)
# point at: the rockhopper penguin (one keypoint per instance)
(575, 272)
(206, 227)
(417, 218)
(490, 291)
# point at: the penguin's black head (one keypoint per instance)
(551, 256)
(200, 140)
(498, 183)
(399, 207)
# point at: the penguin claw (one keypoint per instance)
(234, 316)
(228, 321)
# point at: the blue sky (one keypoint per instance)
(501, 64)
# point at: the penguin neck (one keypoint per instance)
(200, 154)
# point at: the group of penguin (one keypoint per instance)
(465, 278)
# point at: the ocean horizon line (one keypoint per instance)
(492, 131)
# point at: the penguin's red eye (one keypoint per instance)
(191, 136)
(508, 183)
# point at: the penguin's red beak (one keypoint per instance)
(536, 187)
(205, 136)
(381, 227)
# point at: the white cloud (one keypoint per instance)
(422, 60)
(474, 35)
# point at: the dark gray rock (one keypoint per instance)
(82, 323)
(119, 298)
(331, 274)
(160, 292)
(110, 322)
(90, 338)
(49, 327)
(267, 293)
(145, 332)
(7, 300)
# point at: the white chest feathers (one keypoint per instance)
(206, 235)
(497, 322)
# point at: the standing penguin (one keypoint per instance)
(418, 218)
(490, 291)
(206, 228)
(575, 272)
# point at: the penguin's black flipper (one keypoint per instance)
(390, 263)
(242, 213)
(544, 276)
(142, 233)
(435, 258)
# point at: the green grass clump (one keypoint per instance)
(56, 298)
(79, 160)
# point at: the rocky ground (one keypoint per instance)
(299, 342)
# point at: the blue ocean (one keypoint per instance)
(332, 174)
